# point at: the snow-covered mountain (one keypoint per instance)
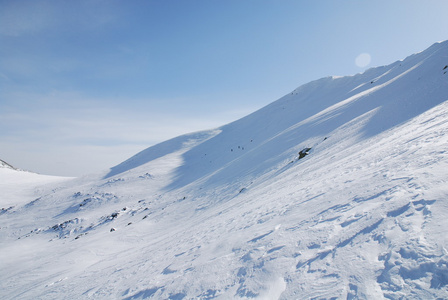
(337, 190)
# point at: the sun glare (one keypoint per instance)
(363, 60)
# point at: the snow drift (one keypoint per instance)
(336, 190)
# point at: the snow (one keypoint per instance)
(18, 187)
(233, 213)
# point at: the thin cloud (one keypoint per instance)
(21, 17)
(18, 18)
(71, 134)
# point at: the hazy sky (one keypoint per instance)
(85, 85)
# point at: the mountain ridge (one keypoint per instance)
(315, 110)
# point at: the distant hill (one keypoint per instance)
(4, 164)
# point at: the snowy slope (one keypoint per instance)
(18, 187)
(233, 213)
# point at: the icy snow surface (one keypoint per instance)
(233, 213)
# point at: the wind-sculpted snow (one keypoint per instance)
(241, 212)
(160, 150)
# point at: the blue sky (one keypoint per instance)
(85, 85)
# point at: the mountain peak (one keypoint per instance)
(308, 114)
